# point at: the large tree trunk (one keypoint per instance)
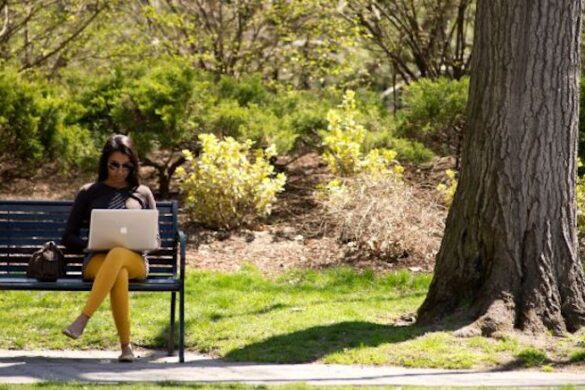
(509, 254)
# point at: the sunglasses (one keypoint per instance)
(114, 165)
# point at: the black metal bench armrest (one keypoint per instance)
(183, 253)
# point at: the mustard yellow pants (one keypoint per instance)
(110, 273)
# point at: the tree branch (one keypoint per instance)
(66, 41)
(4, 6)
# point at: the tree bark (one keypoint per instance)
(509, 256)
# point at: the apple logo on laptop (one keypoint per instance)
(123, 230)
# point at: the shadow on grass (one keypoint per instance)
(311, 344)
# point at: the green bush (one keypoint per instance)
(20, 114)
(65, 141)
(156, 108)
(100, 95)
(247, 90)
(223, 188)
(407, 150)
(265, 129)
(226, 119)
(304, 115)
(38, 121)
(253, 122)
(434, 113)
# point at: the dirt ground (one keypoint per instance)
(292, 236)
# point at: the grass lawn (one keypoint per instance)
(333, 316)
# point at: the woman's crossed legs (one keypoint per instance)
(111, 272)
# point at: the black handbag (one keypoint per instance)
(47, 264)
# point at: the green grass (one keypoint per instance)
(532, 357)
(334, 316)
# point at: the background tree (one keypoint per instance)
(300, 41)
(418, 38)
(509, 254)
(44, 33)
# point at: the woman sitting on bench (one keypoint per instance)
(117, 187)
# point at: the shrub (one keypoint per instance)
(226, 119)
(407, 150)
(65, 141)
(384, 218)
(223, 188)
(156, 108)
(304, 114)
(99, 97)
(448, 187)
(20, 113)
(265, 129)
(253, 122)
(343, 142)
(434, 113)
(38, 123)
(247, 90)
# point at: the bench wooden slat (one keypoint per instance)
(56, 234)
(19, 283)
(57, 206)
(165, 242)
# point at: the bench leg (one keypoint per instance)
(182, 325)
(171, 342)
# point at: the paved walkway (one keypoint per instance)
(101, 366)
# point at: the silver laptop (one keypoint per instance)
(135, 229)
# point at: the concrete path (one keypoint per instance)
(102, 366)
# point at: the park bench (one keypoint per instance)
(27, 224)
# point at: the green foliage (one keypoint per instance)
(532, 357)
(99, 97)
(299, 42)
(226, 119)
(154, 105)
(407, 150)
(155, 109)
(223, 188)
(577, 356)
(44, 34)
(245, 90)
(259, 124)
(20, 114)
(69, 144)
(37, 121)
(434, 113)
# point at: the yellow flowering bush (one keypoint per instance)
(447, 189)
(580, 202)
(224, 188)
(343, 140)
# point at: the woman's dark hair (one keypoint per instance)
(123, 144)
